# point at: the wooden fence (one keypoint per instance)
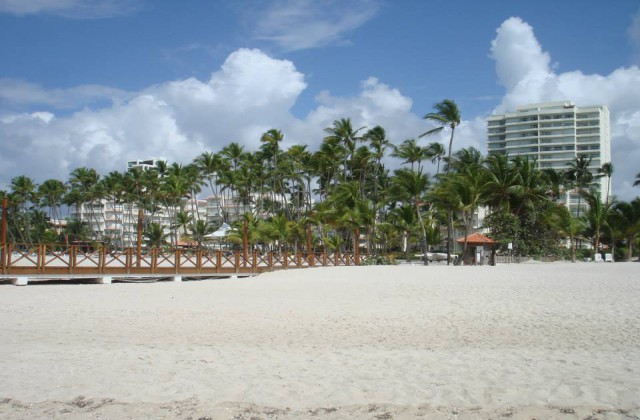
(72, 260)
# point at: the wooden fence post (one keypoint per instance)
(4, 256)
(139, 239)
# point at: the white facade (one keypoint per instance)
(142, 164)
(554, 134)
(118, 223)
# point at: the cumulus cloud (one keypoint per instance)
(176, 120)
(252, 92)
(523, 69)
(301, 24)
(74, 9)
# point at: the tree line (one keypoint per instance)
(342, 196)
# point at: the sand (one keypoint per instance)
(555, 340)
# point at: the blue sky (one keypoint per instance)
(97, 83)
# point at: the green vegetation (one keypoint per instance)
(339, 197)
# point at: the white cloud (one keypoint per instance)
(252, 92)
(74, 9)
(301, 24)
(19, 92)
(523, 69)
(177, 120)
(518, 55)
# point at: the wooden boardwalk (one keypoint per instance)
(38, 263)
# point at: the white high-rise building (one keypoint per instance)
(554, 134)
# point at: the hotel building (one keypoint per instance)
(555, 134)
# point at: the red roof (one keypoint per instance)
(477, 239)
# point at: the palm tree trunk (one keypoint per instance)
(423, 242)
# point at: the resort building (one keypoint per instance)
(142, 164)
(555, 134)
(117, 223)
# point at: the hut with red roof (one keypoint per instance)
(479, 247)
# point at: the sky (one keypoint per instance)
(98, 83)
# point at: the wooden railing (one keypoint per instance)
(59, 260)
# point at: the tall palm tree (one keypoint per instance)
(411, 153)
(410, 186)
(51, 193)
(182, 221)
(567, 224)
(555, 180)
(627, 219)
(379, 143)
(435, 151)
(83, 180)
(580, 176)
(23, 195)
(468, 158)
(326, 166)
(596, 216)
(271, 140)
(298, 159)
(502, 181)
(405, 220)
(606, 170)
(530, 188)
(342, 131)
(447, 115)
(210, 165)
(637, 180)
(464, 191)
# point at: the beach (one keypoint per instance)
(552, 340)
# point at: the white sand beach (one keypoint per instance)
(554, 340)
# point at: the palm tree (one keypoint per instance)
(183, 220)
(23, 195)
(530, 188)
(83, 180)
(637, 181)
(343, 133)
(567, 224)
(326, 164)
(199, 229)
(272, 139)
(410, 187)
(411, 153)
(463, 192)
(379, 143)
(51, 193)
(435, 151)
(627, 218)
(447, 115)
(606, 170)
(404, 219)
(555, 181)
(210, 165)
(154, 235)
(596, 216)
(502, 182)
(580, 176)
(277, 230)
(468, 158)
